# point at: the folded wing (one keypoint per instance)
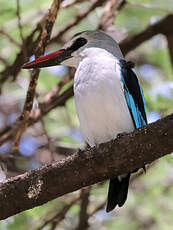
(133, 94)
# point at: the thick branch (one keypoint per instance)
(86, 168)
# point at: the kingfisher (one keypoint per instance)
(108, 97)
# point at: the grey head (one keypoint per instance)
(94, 38)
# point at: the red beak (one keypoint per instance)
(52, 59)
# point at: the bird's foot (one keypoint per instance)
(79, 151)
(119, 135)
(135, 170)
(144, 169)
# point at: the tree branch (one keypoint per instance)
(111, 10)
(170, 46)
(11, 39)
(83, 215)
(31, 44)
(44, 39)
(44, 108)
(108, 160)
(79, 17)
(164, 26)
(56, 219)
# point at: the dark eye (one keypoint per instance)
(81, 42)
(78, 43)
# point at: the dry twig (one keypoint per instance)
(20, 29)
(79, 17)
(31, 45)
(111, 10)
(19, 20)
(56, 219)
(4, 61)
(12, 40)
(44, 39)
(83, 215)
(69, 4)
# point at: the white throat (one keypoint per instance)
(91, 52)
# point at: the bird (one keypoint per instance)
(108, 97)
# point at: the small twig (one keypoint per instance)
(83, 215)
(55, 91)
(49, 142)
(120, 7)
(78, 18)
(56, 219)
(44, 108)
(111, 10)
(23, 120)
(44, 39)
(4, 61)
(147, 6)
(69, 4)
(98, 208)
(53, 226)
(107, 18)
(20, 29)
(19, 20)
(31, 45)
(12, 40)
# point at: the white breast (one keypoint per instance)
(99, 98)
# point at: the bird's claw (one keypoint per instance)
(79, 151)
(119, 135)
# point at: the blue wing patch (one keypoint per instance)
(133, 94)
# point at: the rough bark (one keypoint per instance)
(86, 168)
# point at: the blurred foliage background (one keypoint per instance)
(150, 204)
